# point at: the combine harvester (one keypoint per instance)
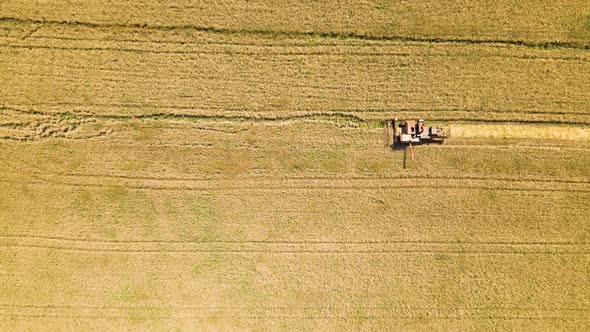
(407, 133)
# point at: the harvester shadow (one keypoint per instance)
(397, 147)
(405, 155)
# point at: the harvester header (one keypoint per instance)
(416, 132)
(409, 132)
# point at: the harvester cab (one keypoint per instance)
(407, 133)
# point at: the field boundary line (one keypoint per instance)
(289, 187)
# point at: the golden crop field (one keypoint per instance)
(225, 165)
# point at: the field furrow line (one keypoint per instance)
(259, 115)
(378, 177)
(332, 47)
(193, 186)
(294, 312)
(331, 35)
(283, 307)
(31, 237)
(102, 49)
(303, 248)
(323, 317)
(40, 172)
(291, 187)
(336, 113)
(301, 252)
(300, 183)
(278, 52)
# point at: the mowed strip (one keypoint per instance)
(142, 71)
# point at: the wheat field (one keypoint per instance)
(207, 165)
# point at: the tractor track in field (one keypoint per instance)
(286, 188)
(34, 237)
(310, 317)
(275, 33)
(332, 48)
(327, 53)
(290, 185)
(244, 115)
(278, 307)
(346, 113)
(247, 247)
(38, 171)
(291, 312)
(209, 145)
(295, 183)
